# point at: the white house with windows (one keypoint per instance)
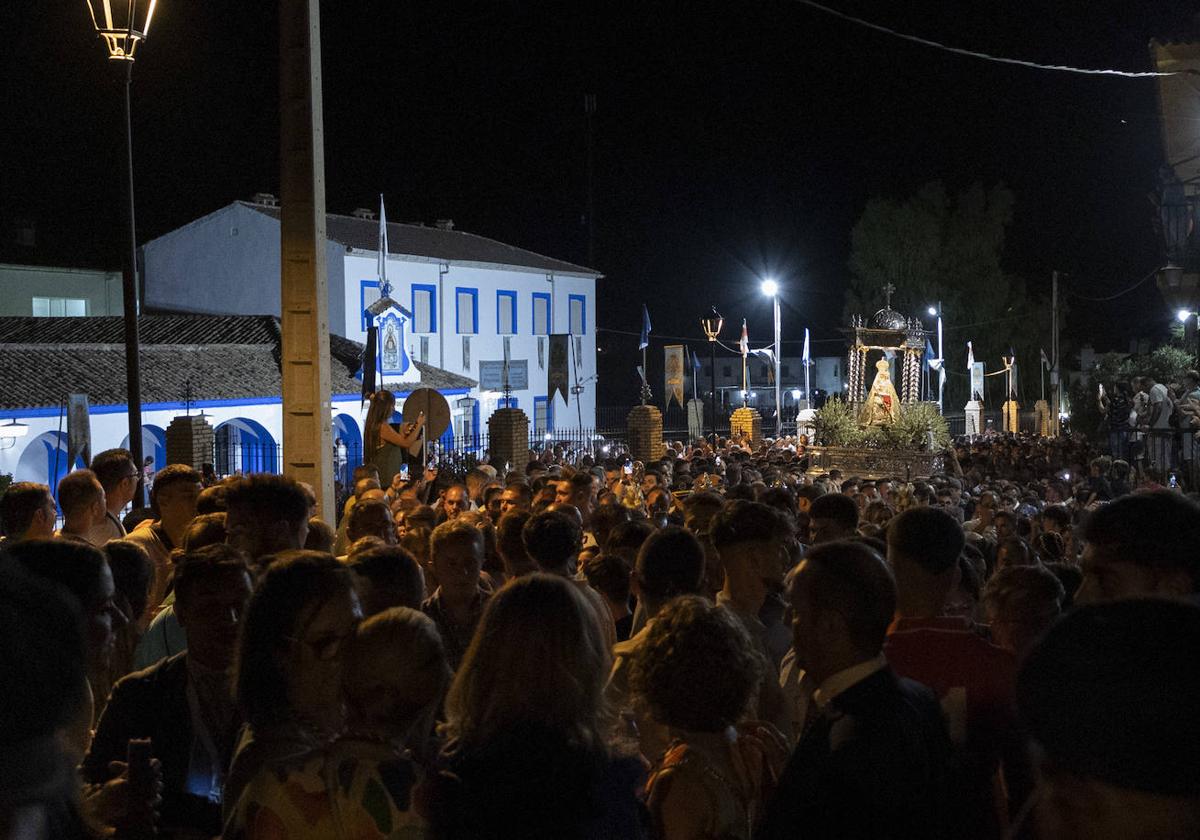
(459, 302)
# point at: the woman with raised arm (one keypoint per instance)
(383, 446)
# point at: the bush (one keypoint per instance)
(837, 425)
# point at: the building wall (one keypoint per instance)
(20, 284)
(227, 262)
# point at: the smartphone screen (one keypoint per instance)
(404, 471)
(629, 469)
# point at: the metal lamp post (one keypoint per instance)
(712, 328)
(771, 289)
(941, 377)
(123, 24)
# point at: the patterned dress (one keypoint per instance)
(355, 790)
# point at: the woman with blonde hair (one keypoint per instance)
(528, 751)
(383, 446)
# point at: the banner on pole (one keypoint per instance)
(977, 390)
(79, 431)
(558, 372)
(673, 373)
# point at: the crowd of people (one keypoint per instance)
(714, 644)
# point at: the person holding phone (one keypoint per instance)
(383, 445)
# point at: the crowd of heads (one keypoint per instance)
(579, 647)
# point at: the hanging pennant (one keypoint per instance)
(558, 374)
(673, 373)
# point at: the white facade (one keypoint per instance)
(469, 297)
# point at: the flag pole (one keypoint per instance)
(807, 365)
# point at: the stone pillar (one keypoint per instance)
(1044, 427)
(746, 422)
(974, 414)
(1012, 416)
(190, 441)
(645, 425)
(508, 437)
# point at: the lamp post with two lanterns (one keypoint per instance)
(124, 24)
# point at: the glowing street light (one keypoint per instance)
(123, 25)
(771, 289)
(1183, 315)
(932, 311)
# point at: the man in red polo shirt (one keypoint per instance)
(973, 677)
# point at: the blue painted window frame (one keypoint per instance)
(433, 306)
(544, 296)
(549, 413)
(510, 402)
(582, 312)
(474, 293)
(507, 297)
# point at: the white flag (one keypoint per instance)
(384, 288)
(744, 344)
(970, 356)
(806, 358)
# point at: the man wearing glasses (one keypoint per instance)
(118, 475)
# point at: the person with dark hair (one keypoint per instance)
(43, 663)
(699, 510)
(606, 519)
(528, 754)
(1111, 698)
(266, 514)
(833, 516)
(320, 536)
(456, 552)
(386, 577)
(27, 512)
(753, 542)
(1021, 603)
(697, 672)
(873, 758)
(118, 475)
(511, 545)
(384, 448)
(554, 539)
(516, 496)
(371, 518)
(609, 575)
(82, 570)
(579, 491)
(173, 502)
(289, 663)
(212, 499)
(184, 704)
(1138, 545)
(973, 677)
(132, 574)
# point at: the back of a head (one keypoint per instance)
(608, 575)
(605, 519)
(837, 507)
(670, 563)
(369, 518)
(293, 585)
(422, 516)
(77, 567)
(112, 466)
(926, 536)
(208, 564)
(42, 663)
(394, 669)
(552, 539)
(782, 499)
(1159, 530)
(212, 499)
(538, 657)
(1024, 593)
(205, 529)
(77, 491)
(1112, 693)
(265, 497)
(744, 521)
(455, 530)
(19, 503)
(321, 536)
(697, 669)
(850, 578)
(626, 539)
(509, 541)
(700, 508)
(132, 572)
(394, 577)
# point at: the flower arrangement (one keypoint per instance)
(920, 427)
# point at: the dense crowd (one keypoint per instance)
(712, 645)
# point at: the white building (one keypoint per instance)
(466, 299)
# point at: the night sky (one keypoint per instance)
(732, 141)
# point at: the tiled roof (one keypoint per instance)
(218, 357)
(437, 243)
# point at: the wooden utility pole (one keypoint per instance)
(304, 296)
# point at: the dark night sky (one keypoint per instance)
(732, 141)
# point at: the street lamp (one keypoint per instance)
(1183, 315)
(712, 328)
(936, 311)
(123, 24)
(771, 289)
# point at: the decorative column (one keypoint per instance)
(645, 426)
(190, 441)
(746, 422)
(508, 437)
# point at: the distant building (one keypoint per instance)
(463, 302)
(46, 292)
(226, 367)
(825, 375)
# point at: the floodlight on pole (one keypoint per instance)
(1183, 315)
(932, 311)
(769, 287)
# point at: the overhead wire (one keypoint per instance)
(1033, 65)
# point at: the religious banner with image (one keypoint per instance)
(79, 430)
(558, 374)
(673, 373)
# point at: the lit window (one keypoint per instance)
(506, 313)
(57, 307)
(467, 311)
